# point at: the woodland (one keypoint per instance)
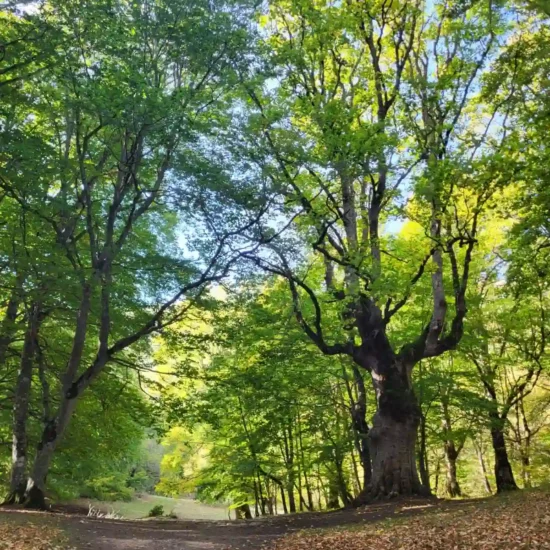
(288, 256)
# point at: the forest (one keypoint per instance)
(282, 256)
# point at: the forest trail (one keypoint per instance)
(104, 534)
(518, 521)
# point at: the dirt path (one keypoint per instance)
(102, 534)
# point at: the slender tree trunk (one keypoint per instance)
(483, 469)
(437, 474)
(18, 480)
(451, 452)
(304, 466)
(504, 475)
(451, 482)
(361, 427)
(525, 475)
(341, 481)
(283, 498)
(423, 454)
(333, 493)
(52, 433)
(256, 498)
(288, 455)
(8, 326)
(357, 486)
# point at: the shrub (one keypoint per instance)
(156, 511)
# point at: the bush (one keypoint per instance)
(107, 488)
(156, 511)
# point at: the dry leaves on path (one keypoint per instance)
(30, 536)
(516, 523)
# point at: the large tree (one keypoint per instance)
(100, 157)
(370, 118)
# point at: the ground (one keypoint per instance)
(517, 522)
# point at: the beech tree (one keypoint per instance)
(375, 121)
(119, 120)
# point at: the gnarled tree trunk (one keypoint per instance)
(392, 437)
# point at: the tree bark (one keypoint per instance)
(35, 495)
(360, 425)
(8, 326)
(479, 452)
(393, 456)
(451, 482)
(243, 512)
(392, 437)
(423, 455)
(18, 478)
(503, 469)
(332, 498)
(451, 451)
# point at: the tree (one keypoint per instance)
(120, 120)
(369, 124)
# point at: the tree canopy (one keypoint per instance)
(302, 245)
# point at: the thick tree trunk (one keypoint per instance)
(393, 457)
(451, 481)
(18, 478)
(503, 469)
(392, 437)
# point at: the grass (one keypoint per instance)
(182, 508)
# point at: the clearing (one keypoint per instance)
(139, 507)
(519, 521)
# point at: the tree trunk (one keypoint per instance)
(451, 481)
(525, 473)
(283, 499)
(360, 425)
(8, 326)
(392, 437)
(483, 469)
(291, 499)
(243, 512)
(18, 479)
(393, 457)
(503, 470)
(423, 455)
(35, 496)
(332, 498)
(342, 484)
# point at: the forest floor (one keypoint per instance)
(520, 521)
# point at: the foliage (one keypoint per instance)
(156, 511)
(491, 526)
